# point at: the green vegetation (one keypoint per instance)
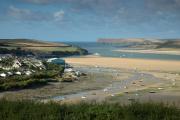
(29, 110)
(142, 43)
(170, 44)
(39, 78)
(23, 47)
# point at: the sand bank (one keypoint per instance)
(153, 51)
(128, 63)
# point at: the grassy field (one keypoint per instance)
(19, 46)
(29, 110)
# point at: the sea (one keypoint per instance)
(107, 50)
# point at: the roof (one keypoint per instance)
(58, 61)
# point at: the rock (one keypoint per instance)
(133, 83)
(83, 74)
(69, 78)
(152, 92)
(93, 93)
(131, 99)
(83, 97)
(77, 73)
(140, 80)
(105, 90)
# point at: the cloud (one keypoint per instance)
(39, 1)
(18, 13)
(29, 15)
(164, 5)
(26, 14)
(59, 15)
(131, 12)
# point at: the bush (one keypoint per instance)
(29, 110)
(22, 84)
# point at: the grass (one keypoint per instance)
(29, 110)
(35, 47)
(50, 49)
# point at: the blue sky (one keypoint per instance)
(88, 20)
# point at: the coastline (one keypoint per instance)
(151, 51)
(110, 84)
(127, 63)
(112, 80)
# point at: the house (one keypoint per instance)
(16, 64)
(2, 75)
(68, 70)
(10, 73)
(28, 73)
(50, 60)
(57, 61)
(18, 73)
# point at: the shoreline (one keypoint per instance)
(112, 80)
(107, 84)
(127, 63)
(151, 51)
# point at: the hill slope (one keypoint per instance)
(40, 48)
(145, 43)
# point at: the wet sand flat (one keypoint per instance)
(112, 79)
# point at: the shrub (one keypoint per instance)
(29, 110)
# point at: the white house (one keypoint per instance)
(68, 70)
(28, 73)
(18, 73)
(2, 75)
(9, 73)
(16, 64)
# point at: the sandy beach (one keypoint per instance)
(161, 79)
(153, 51)
(113, 80)
(127, 63)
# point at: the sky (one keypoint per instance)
(88, 20)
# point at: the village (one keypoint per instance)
(23, 69)
(12, 65)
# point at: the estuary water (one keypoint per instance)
(107, 50)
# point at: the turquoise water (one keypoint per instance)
(107, 51)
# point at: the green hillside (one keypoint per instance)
(35, 47)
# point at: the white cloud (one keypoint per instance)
(18, 13)
(39, 1)
(27, 14)
(59, 15)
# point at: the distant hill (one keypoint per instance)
(29, 43)
(174, 43)
(144, 43)
(38, 48)
(106, 40)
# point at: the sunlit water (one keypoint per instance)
(107, 50)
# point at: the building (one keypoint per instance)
(16, 64)
(57, 61)
(2, 75)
